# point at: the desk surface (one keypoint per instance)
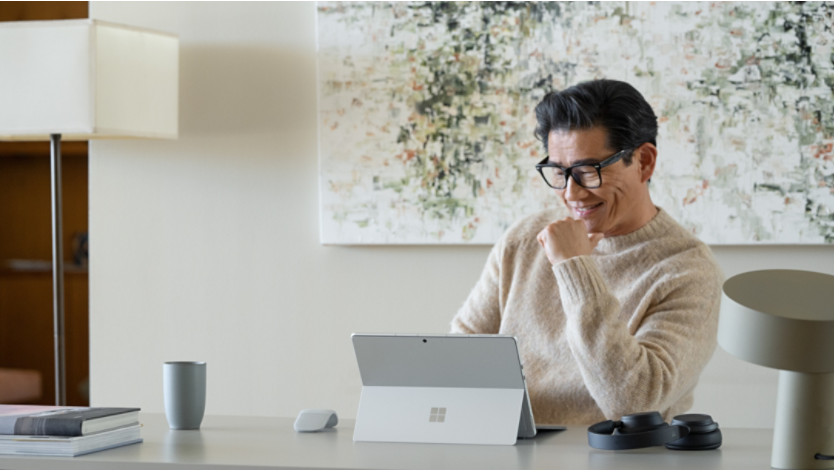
(226, 442)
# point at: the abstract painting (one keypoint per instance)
(426, 113)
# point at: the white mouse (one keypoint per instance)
(315, 420)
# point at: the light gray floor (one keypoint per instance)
(226, 442)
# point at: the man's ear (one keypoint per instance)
(646, 157)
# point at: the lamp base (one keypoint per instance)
(804, 421)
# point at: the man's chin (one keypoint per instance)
(594, 221)
(591, 226)
(594, 225)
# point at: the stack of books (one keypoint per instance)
(65, 431)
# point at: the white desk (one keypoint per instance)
(226, 442)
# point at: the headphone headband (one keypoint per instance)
(601, 436)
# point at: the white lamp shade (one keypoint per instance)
(780, 318)
(87, 79)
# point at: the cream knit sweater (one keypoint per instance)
(624, 330)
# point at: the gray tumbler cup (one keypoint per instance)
(184, 385)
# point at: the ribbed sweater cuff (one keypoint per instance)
(579, 281)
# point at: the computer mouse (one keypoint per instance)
(315, 420)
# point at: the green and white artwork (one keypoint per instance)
(426, 114)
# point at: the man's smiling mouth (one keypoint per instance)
(584, 210)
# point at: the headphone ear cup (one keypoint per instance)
(703, 433)
(641, 422)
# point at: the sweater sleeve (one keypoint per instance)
(481, 313)
(651, 369)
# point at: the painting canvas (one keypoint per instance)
(426, 114)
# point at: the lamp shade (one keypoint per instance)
(780, 318)
(87, 79)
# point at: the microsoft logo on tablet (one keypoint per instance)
(438, 415)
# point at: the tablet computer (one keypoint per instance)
(461, 389)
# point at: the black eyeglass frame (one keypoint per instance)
(568, 174)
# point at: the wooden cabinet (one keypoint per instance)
(26, 325)
(26, 329)
(27, 11)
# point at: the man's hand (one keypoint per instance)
(567, 238)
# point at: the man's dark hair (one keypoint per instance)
(614, 105)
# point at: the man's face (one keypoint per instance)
(615, 208)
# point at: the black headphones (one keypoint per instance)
(687, 432)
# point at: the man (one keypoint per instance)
(614, 304)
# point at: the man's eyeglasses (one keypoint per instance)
(585, 175)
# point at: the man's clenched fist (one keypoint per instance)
(567, 238)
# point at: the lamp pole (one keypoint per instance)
(58, 271)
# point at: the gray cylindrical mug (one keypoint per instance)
(184, 386)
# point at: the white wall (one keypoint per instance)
(206, 248)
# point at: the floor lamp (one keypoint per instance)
(82, 80)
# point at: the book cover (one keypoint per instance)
(31, 420)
